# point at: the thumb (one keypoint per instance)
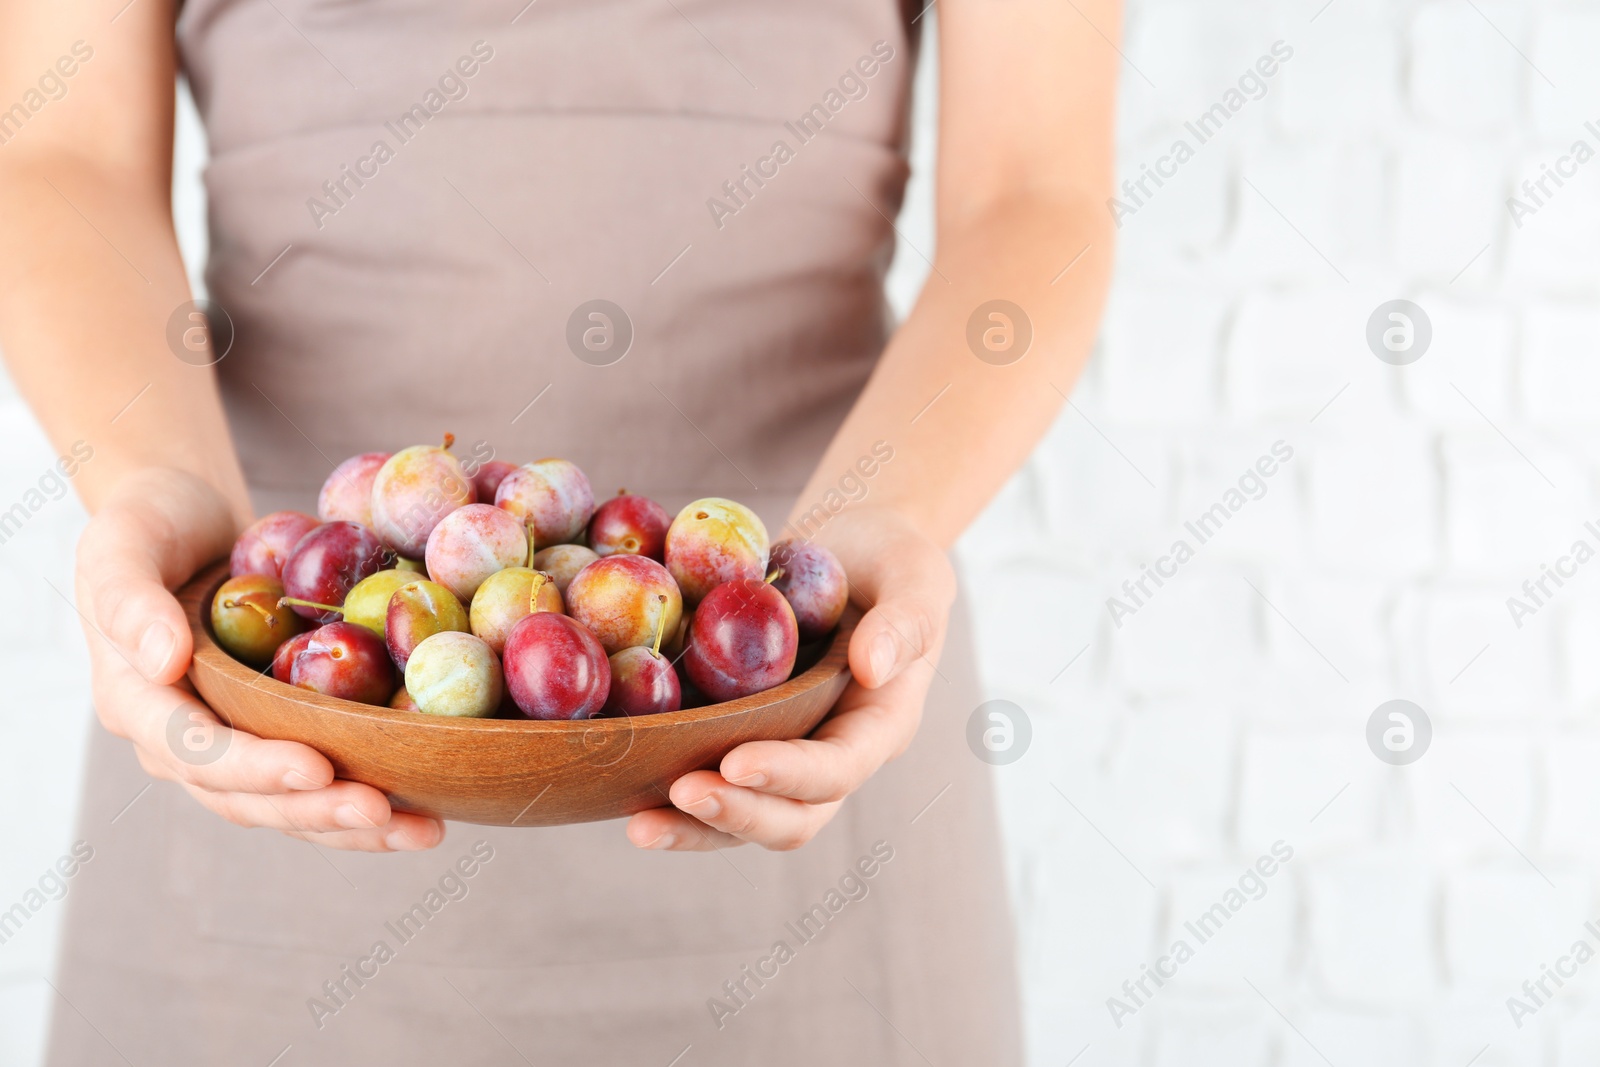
(152, 535)
(908, 605)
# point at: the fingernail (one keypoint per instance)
(296, 780)
(755, 779)
(352, 817)
(401, 841)
(707, 807)
(155, 647)
(882, 657)
(664, 841)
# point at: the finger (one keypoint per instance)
(181, 740)
(128, 557)
(342, 806)
(813, 770)
(670, 829)
(865, 730)
(404, 833)
(908, 602)
(842, 753)
(776, 823)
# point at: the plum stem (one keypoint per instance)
(774, 575)
(531, 545)
(250, 602)
(661, 625)
(539, 578)
(449, 439)
(309, 604)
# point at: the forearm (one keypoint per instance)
(960, 426)
(90, 274)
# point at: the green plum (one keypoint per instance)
(249, 621)
(505, 597)
(456, 675)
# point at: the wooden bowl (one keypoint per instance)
(508, 772)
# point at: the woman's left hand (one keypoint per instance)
(779, 794)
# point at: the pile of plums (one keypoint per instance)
(410, 590)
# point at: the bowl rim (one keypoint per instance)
(210, 656)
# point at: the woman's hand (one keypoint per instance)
(778, 794)
(152, 534)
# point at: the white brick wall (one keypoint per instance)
(1463, 76)
(1213, 720)
(44, 721)
(1223, 718)
(1372, 933)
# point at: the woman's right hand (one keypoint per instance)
(154, 531)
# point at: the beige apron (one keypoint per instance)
(535, 161)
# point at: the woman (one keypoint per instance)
(532, 162)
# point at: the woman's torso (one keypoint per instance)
(408, 224)
(576, 166)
